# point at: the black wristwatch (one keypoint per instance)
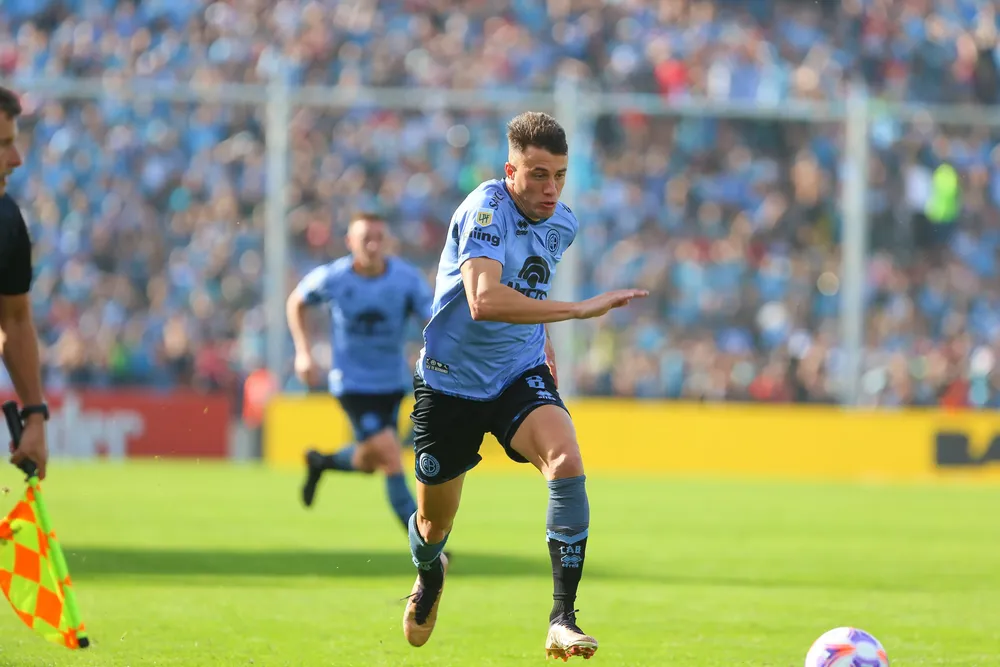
(40, 409)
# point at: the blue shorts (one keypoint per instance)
(371, 413)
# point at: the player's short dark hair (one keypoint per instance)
(534, 128)
(10, 104)
(368, 216)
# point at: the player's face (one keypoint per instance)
(367, 241)
(10, 158)
(538, 177)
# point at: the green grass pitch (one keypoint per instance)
(218, 564)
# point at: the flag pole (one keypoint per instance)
(28, 467)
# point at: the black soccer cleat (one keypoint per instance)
(314, 470)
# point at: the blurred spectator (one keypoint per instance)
(148, 216)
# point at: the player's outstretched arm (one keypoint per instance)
(602, 303)
(492, 301)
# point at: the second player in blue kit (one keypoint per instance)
(373, 298)
(486, 368)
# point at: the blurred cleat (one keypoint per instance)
(422, 605)
(566, 640)
(314, 466)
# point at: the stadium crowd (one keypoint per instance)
(148, 216)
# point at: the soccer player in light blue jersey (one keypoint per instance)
(486, 366)
(371, 297)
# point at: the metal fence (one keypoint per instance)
(578, 109)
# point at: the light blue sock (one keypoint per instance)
(400, 498)
(343, 460)
(568, 516)
(425, 556)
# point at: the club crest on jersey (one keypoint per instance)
(484, 217)
(552, 241)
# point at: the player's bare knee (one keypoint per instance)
(376, 452)
(563, 461)
(438, 519)
(365, 459)
(434, 530)
(391, 464)
(386, 455)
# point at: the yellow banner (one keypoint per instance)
(297, 422)
(667, 437)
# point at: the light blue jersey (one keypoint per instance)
(478, 360)
(369, 317)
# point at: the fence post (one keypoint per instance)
(573, 112)
(275, 224)
(854, 242)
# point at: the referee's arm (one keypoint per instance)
(20, 349)
(20, 344)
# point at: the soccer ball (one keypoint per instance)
(847, 647)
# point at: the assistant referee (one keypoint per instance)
(20, 340)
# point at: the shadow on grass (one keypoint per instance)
(112, 563)
(109, 562)
(117, 562)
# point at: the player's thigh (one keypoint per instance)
(535, 427)
(447, 434)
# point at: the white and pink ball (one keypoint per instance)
(847, 647)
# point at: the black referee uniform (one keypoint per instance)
(15, 249)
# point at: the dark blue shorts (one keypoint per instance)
(448, 430)
(371, 413)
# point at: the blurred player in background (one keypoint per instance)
(485, 367)
(19, 340)
(372, 296)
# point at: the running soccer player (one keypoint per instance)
(485, 367)
(372, 296)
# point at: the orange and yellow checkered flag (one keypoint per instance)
(31, 578)
(33, 572)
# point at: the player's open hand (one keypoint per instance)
(602, 303)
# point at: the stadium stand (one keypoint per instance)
(148, 218)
